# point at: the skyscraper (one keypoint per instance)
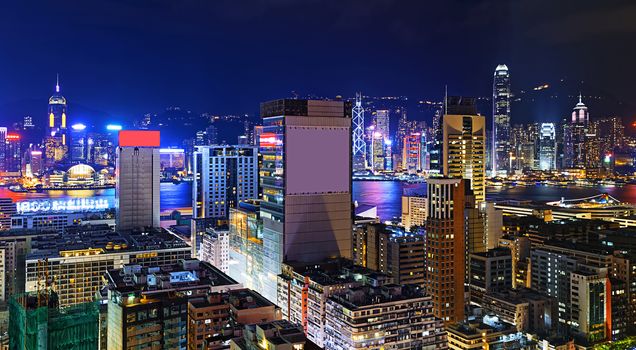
(306, 181)
(137, 179)
(412, 153)
(547, 147)
(13, 154)
(574, 136)
(79, 144)
(464, 144)
(224, 176)
(501, 119)
(56, 131)
(445, 247)
(359, 146)
(3, 147)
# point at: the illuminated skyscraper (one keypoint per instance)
(501, 119)
(3, 147)
(79, 144)
(56, 131)
(137, 179)
(306, 208)
(13, 154)
(464, 144)
(359, 146)
(446, 247)
(224, 176)
(412, 152)
(574, 137)
(547, 147)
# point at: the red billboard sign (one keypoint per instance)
(139, 138)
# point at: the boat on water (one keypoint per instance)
(18, 189)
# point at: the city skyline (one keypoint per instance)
(141, 73)
(318, 175)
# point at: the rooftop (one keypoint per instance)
(100, 239)
(476, 326)
(187, 274)
(358, 297)
(337, 271)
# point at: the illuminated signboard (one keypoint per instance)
(62, 205)
(139, 138)
(269, 139)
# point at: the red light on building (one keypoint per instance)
(139, 138)
(268, 139)
(13, 137)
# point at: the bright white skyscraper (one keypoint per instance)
(501, 120)
(547, 147)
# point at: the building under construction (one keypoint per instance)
(37, 322)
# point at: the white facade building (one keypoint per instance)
(215, 249)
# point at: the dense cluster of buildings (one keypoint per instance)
(275, 257)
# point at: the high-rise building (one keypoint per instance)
(275, 335)
(488, 332)
(501, 119)
(37, 322)
(445, 247)
(413, 211)
(391, 250)
(382, 122)
(78, 144)
(306, 207)
(7, 209)
(13, 154)
(574, 137)
(246, 245)
(76, 260)
(547, 147)
(214, 318)
(224, 176)
(3, 147)
(490, 271)
(349, 315)
(464, 144)
(148, 306)
(377, 151)
(412, 153)
(27, 123)
(137, 179)
(304, 288)
(215, 249)
(56, 131)
(382, 144)
(359, 146)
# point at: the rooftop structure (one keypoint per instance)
(350, 314)
(275, 335)
(74, 262)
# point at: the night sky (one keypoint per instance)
(126, 58)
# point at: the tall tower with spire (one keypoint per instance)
(56, 137)
(359, 146)
(574, 136)
(501, 120)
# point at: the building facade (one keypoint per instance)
(306, 211)
(445, 248)
(137, 179)
(501, 119)
(224, 176)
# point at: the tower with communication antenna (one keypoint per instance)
(359, 146)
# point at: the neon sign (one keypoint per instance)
(65, 205)
(269, 139)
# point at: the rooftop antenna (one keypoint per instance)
(57, 84)
(446, 99)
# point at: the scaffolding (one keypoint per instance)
(34, 325)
